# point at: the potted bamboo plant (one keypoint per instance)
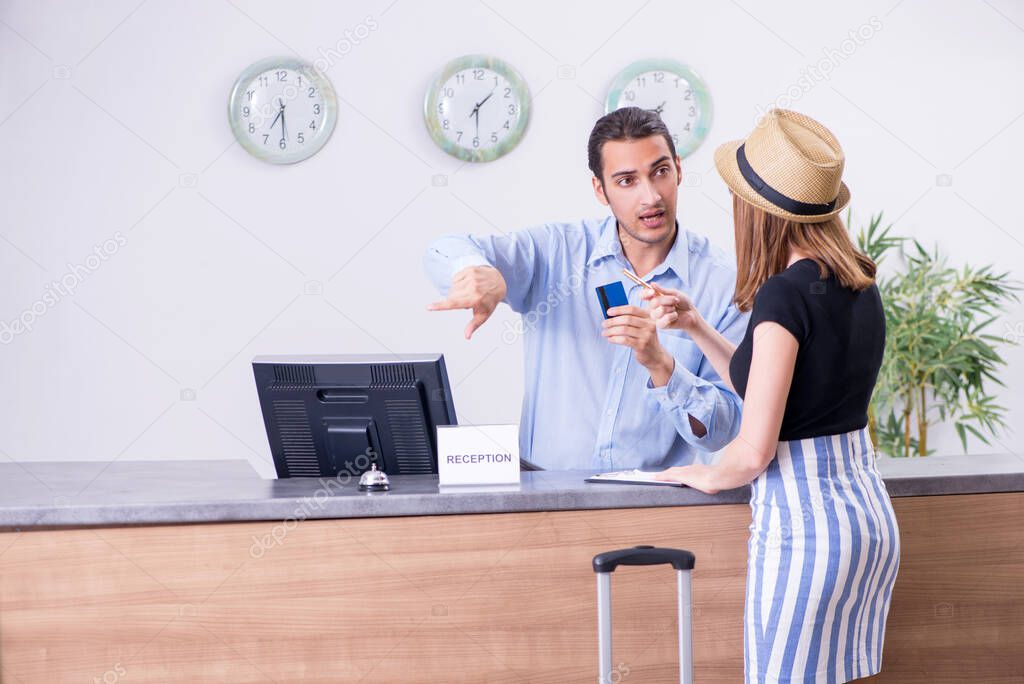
(940, 362)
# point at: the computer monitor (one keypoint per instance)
(329, 414)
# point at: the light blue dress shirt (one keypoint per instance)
(587, 403)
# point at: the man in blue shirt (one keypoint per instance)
(606, 395)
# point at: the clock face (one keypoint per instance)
(672, 90)
(477, 109)
(282, 110)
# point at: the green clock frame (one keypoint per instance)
(700, 91)
(519, 89)
(314, 76)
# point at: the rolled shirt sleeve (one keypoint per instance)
(701, 393)
(520, 257)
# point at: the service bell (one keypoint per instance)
(374, 480)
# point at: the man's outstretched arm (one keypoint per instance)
(479, 272)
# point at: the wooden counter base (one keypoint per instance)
(470, 598)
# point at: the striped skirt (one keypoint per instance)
(823, 554)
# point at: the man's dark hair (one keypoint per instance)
(628, 123)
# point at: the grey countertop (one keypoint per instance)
(36, 494)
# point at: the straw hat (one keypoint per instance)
(790, 166)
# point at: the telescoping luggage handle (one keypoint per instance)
(605, 564)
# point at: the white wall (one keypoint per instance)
(113, 126)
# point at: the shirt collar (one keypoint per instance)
(677, 260)
(607, 244)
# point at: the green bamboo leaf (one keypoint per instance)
(938, 319)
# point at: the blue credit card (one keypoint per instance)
(611, 295)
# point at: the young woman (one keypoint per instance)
(824, 544)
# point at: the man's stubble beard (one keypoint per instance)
(624, 227)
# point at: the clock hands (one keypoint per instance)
(476, 110)
(485, 99)
(280, 115)
(284, 129)
(660, 108)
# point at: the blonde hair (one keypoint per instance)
(764, 241)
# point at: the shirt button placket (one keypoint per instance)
(614, 401)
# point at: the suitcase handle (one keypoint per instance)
(605, 564)
(643, 555)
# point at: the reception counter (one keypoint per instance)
(202, 571)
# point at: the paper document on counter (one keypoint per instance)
(634, 476)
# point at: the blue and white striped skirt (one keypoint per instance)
(823, 554)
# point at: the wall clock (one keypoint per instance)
(477, 108)
(671, 89)
(282, 110)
